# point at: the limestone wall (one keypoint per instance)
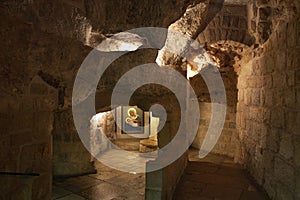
(228, 142)
(33, 64)
(26, 134)
(268, 112)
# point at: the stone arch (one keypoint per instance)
(231, 23)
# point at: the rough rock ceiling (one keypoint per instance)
(193, 21)
(224, 54)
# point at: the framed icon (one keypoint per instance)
(133, 120)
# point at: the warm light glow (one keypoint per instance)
(97, 117)
(190, 71)
(128, 47)
(159, 58)
(121, 42)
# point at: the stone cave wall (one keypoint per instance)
(35, 72)
(26, 136)
(268, 112)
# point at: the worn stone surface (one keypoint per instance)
(224, 182)
(228, 141)
(107, 183)
(268, 108)
(190, 25)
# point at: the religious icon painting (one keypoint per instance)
(132, 118)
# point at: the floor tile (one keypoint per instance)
(76, 184)
(72, 197)
(58, 192)
(104, 191)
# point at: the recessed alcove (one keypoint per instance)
(139, 136)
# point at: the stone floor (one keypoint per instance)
(214, 177)
(107, 184)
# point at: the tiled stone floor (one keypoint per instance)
(108, 183)
(214, 177)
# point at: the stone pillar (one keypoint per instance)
(69, 154)
(161, 184)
